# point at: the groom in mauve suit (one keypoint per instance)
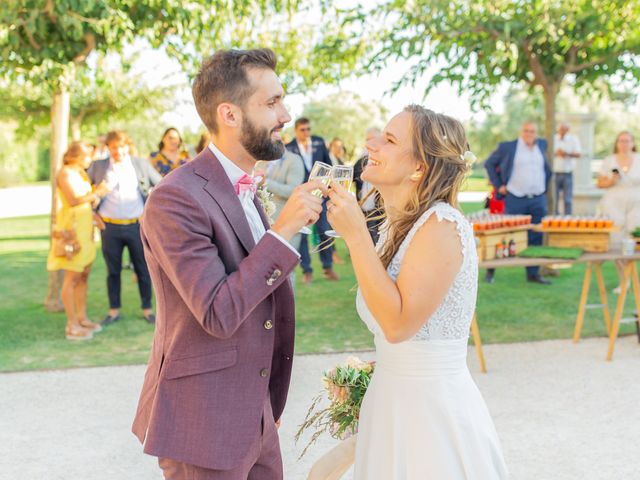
(220, 365)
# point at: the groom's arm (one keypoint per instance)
(177, 235)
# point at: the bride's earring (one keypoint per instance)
(416, 176)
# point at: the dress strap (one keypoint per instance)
(443, 211)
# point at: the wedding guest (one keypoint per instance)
(422, 416)
(519, 171)
(74, 213)
(337, 152)
(364, 190)
(620, 179)
(338, 155)
(567, 151)
(312, 149)
(205, 138)
(171, 153)
(130, 180)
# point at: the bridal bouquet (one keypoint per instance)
(345, 386)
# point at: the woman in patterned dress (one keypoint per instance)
(171, 153)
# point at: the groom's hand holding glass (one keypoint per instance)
(345, 215)
(303, 208)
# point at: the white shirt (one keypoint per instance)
(568, 144)
(124, 201)
(234, 173)
(527, 177)
(307, 155)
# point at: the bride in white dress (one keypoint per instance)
(422, 416)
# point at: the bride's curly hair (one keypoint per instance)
(439, 142)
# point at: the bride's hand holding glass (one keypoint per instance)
(345, 215)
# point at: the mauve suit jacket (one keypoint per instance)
(223, 344)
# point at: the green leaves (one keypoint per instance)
(482, 43)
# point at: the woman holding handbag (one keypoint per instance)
(72, 246)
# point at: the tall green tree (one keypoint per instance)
(48, 42)
(98, 98)
(478, 44)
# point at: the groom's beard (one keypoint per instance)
(258, 142)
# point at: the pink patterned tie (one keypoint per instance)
(245, 183)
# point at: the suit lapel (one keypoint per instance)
(221, 190)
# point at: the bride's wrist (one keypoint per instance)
(358, 240)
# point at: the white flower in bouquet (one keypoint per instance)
(268, 205)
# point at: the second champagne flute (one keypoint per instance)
(342, 174)
(319, 171)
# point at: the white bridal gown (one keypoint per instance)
(423, 416)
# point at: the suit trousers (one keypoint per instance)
(263, 462)
(537, 208)
(326, 248)
(114, 238)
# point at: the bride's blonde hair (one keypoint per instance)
(439, 143)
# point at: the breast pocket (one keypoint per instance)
(199, 364)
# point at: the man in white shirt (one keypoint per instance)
(567, 151)
(129, 180)
(520, 173)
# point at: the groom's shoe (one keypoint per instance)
(307, 277)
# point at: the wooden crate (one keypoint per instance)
(490, 238)
(589, 239)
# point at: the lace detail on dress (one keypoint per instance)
(453, 317)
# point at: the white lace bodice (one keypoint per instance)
(452, 319)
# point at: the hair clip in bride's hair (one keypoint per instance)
(468, 157)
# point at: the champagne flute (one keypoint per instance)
(342, 174)
(319, 171)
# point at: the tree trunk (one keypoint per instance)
(76, 127)
(550, 94)
(59, 137)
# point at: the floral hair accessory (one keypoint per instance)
(469, 157)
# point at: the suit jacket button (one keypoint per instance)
(268, 325)
(264, 372)
(275, 275)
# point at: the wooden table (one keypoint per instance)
(592, 260)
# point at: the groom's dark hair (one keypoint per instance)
(223, 78)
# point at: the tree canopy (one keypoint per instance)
(479, 44)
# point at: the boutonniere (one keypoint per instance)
(268, 205)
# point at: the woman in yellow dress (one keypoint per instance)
(74, 197)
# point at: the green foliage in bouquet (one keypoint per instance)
(345, 386)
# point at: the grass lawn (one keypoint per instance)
(31, 338)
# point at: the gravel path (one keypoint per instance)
(561, 411)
